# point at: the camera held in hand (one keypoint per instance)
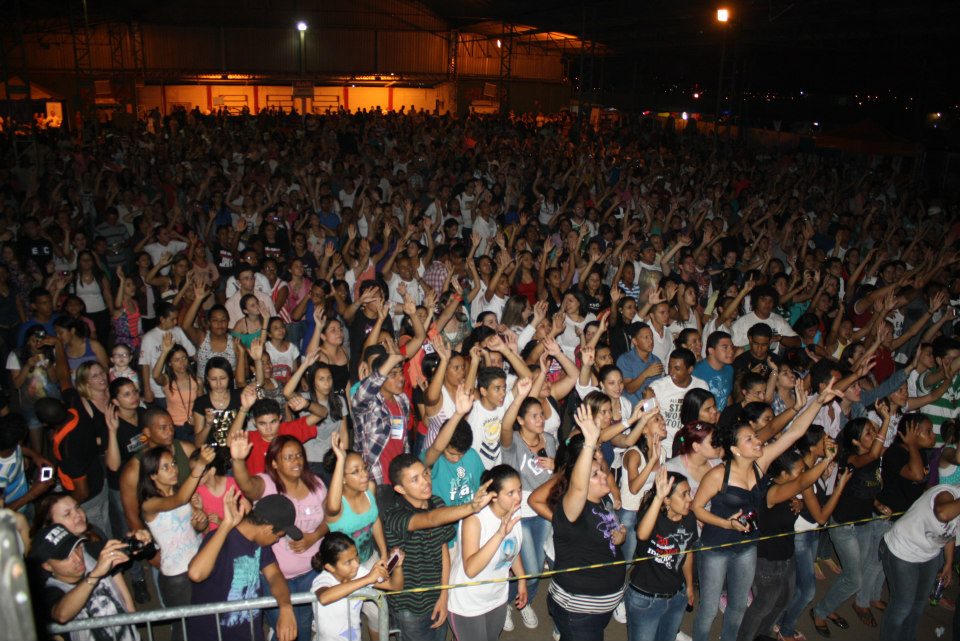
(137, 550)
(749, 521)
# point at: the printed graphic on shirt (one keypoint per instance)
(460, 492)
(607, 524)
(490, 445)
(668, 550)
(507, 553)
(245, 584)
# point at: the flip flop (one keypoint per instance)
(839, 621)
(866, 616)
(822, 630)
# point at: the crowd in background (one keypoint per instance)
(267, 355)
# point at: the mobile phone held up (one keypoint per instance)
(46, 474)
(393, 560)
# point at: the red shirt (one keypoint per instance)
(394, 447)
(299, 429)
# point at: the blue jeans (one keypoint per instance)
(416, 627)
(577, 626)
(858, 548)
(734, 567)
(302, 613)
(805, 549)
(97, 509)
(536, 531)
(650, 619)
(910, 587)
(628, 518)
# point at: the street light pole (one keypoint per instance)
(723, 16)
(302, 28)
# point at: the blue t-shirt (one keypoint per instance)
(13, 480)
(456, 483)
(632, 366)
(719, 381)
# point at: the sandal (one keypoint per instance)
(818, 572)
(838, 621)
(822, 629)
(866, 616)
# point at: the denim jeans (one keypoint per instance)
(772, 590)
(176, 591)
(577, 626)
(650, 619)
(416, 627)
(734, 567)
(97, 509)
(805, 586)
(910, 587)
(628, 518)
(302, 613)
(858, 548)
(536, 531)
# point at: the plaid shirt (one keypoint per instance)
(436, 275)
(371, 425)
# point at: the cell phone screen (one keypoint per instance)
(46, 473)
(393, 560)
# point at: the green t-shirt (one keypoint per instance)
(456, 483)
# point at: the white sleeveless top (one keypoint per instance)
(475, 600)
(176, 538)
(448, 407)
(629, 500)
(91, 296)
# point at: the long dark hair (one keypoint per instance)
(334, 404)
(309, 479)
(851, 432)
(44, 516)
(650, 494)
(150, 465)
(692, 402)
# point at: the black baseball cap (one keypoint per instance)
(54, 542)
(278, 511)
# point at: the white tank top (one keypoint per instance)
(630, 500)
(91, 295)
(448, 407)
(176, 538)
(479, 599)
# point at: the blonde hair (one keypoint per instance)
(83, 376)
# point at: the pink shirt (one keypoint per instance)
(213, 504)
(309, 517)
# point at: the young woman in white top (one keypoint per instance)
(489, 544)
(640, 463)
(174, 521)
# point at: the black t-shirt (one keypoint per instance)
(130, 441)
(856, 501)
(222, 418)
(747, 361)
(669, 541)
(900, 493)
(778, 519)
(359, 329)
(77, 453)
(587, 541)
(599, 302)
(39, 251)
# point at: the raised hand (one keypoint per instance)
(588, 427)
(482, 497)
(524, 385)
(297, 403)
(464, 400)
(240, 446)
(663, 483)
(248, 396)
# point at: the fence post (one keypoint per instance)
(16, 612)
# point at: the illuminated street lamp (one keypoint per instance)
(302, 28)
(723, 17)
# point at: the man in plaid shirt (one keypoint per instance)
(382, 415)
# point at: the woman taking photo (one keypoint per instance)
(287, 473)
(585, 532)
(733, 491)
(661, 588)
(174, 521)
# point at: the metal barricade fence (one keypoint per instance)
(16, 614)
(182, 613)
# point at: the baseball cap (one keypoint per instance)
(278, 511)
(54, 542)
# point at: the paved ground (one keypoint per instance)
(933, 619)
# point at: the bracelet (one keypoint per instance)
(196, 477)
(96, 579)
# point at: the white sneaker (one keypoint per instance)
(508, 622)
(620, 613)
(556, 634)
(529, 617)
(683, 636)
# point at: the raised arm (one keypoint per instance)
(464, 403)
(240, 447)
(575, 498)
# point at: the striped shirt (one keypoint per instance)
(13, 481)
(944, 408)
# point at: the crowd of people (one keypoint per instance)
(267, 355)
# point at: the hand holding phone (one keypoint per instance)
(396, 556)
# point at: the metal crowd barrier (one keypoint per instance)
(16, 614)
(151, 617)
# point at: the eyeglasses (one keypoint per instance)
(290, 458)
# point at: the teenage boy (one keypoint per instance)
(266, 415)
(757, 359)
(420, 524)
(382, 415)
(16, 492)
(486, 416)
(639, 366)
(41, 306)
(230, 562)
(764, 300)
(455, 467)
(716, 370)
(670, 390)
